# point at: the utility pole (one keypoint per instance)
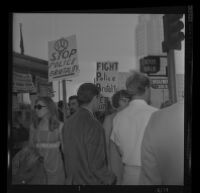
(64, 97)
(172, 41)
(171, 76)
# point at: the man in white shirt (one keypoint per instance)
(129, 126)
(162, 152)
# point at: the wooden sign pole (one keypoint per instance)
(59, 90)
(64, 98)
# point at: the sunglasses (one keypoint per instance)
(39, 107)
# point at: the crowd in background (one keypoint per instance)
(130, 143)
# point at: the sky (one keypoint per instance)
(100, 37)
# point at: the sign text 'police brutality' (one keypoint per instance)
(63, 59)
(23, 83)
(107, 77)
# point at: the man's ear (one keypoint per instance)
(92, 101)
(96, 97)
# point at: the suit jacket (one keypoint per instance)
(163, 148)
(85, 151)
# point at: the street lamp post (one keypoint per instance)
(171, 76)
(172, 41)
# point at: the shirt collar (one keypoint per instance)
(90, 112)
(138, 101)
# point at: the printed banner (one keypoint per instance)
(107, 77)
(63, 59)
(23, 83)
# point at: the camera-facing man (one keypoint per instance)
(73, 104)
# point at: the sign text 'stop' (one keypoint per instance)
(63, 58)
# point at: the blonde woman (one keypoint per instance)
(46, 136)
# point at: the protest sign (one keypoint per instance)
(44, 88)
(63, 59)
(23, 83)
(102, 104)
(107, 77)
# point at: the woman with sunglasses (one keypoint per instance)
(120, 100)
(46, 136)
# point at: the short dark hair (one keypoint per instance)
(73, 97)
(60, 104)
(86, 92)
(118, 95)
(137, 82)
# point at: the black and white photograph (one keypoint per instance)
(100, 98)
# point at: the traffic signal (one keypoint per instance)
(172, 32)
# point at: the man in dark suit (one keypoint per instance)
(162, 151)
(84, 143)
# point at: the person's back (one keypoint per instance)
(83, 137)
(163, 148)
(108, 125)
(129, 126)
(84, 143)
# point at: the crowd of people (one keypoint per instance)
(133, 143)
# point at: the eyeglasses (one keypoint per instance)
(39, 107)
